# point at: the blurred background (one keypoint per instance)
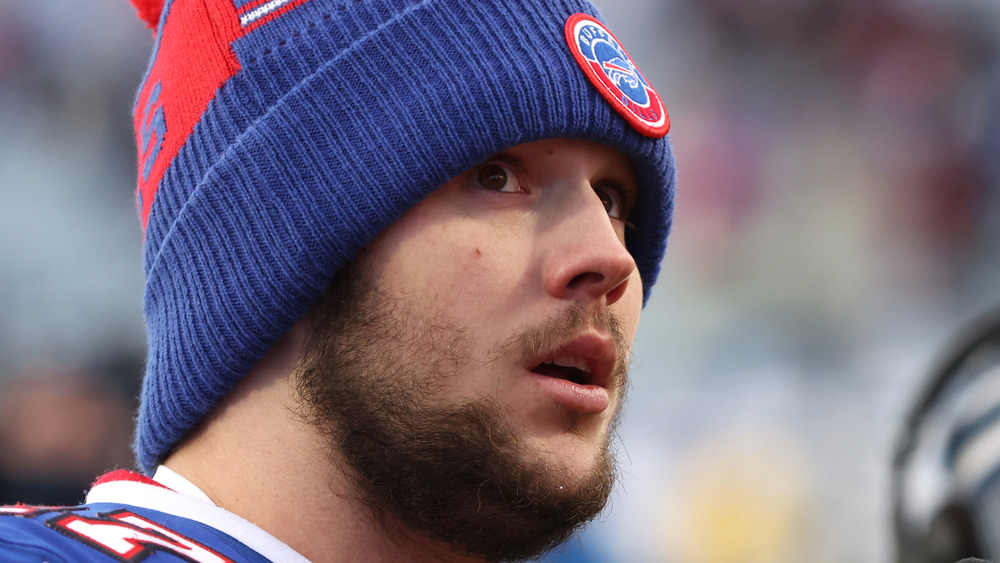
(838, 219)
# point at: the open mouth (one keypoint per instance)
(570, 369)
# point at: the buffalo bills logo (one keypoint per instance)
(619, 70)
(612, 72)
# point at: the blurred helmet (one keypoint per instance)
(946, 464)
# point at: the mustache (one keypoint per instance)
(534, 340)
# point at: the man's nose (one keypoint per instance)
(587, 260)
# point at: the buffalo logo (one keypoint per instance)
(619, 70)
(610, 69)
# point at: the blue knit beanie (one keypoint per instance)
(276, 138)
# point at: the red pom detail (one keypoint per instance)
(149, 11)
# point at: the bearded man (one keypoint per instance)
(396, 253)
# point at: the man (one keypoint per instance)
(396, 253)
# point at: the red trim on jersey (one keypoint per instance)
(125, 475)
(28, 511)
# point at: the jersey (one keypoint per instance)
(128, 517)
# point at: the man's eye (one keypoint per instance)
(612, 200)
(498, 178)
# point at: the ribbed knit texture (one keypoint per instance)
(341, 116)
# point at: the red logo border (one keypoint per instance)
(609, 91)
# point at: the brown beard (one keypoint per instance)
(457, 474)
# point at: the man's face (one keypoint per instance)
(482, 340)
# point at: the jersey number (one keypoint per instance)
(127, 536)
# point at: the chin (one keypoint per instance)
(573, 459)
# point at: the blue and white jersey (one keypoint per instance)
(128, 517)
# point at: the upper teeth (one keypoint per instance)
(568, 362)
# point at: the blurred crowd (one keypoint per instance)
(838, 219)
(60, 427)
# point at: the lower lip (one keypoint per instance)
(582, 398)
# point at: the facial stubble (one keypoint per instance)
(458, 474)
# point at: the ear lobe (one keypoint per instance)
(149, 11)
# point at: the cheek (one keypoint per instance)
(484, 276)
(454, 264)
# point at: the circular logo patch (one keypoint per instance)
(612, 72)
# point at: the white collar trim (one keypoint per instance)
(174, 480)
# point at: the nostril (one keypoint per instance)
(597, 284)
(585, 279)
(616, 292)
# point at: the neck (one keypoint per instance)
(257, 457)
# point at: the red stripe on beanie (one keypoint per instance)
(194, 59)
